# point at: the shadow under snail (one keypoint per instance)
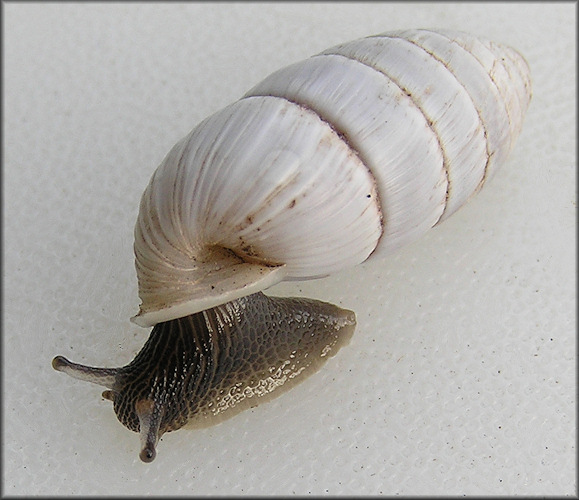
(348, 154)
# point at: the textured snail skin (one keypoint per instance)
(201, 369)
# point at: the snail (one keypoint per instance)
(344, 156)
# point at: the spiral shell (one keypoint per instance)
(351, 153)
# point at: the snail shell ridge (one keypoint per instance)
(353, 152)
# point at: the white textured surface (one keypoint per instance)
(460, 378)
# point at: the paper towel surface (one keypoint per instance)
(461, 376)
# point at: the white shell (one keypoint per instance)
(355, 151)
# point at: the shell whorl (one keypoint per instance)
(355, 151)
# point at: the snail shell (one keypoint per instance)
(353, 152)
(346, 155)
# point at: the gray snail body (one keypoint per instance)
(201, 369)
(346, 155)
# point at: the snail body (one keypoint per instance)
(198, 370)
(346, 155)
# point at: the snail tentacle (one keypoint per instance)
(100, 376)
(150, 413)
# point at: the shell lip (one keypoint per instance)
(211, 297)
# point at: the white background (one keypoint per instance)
(460, 378)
